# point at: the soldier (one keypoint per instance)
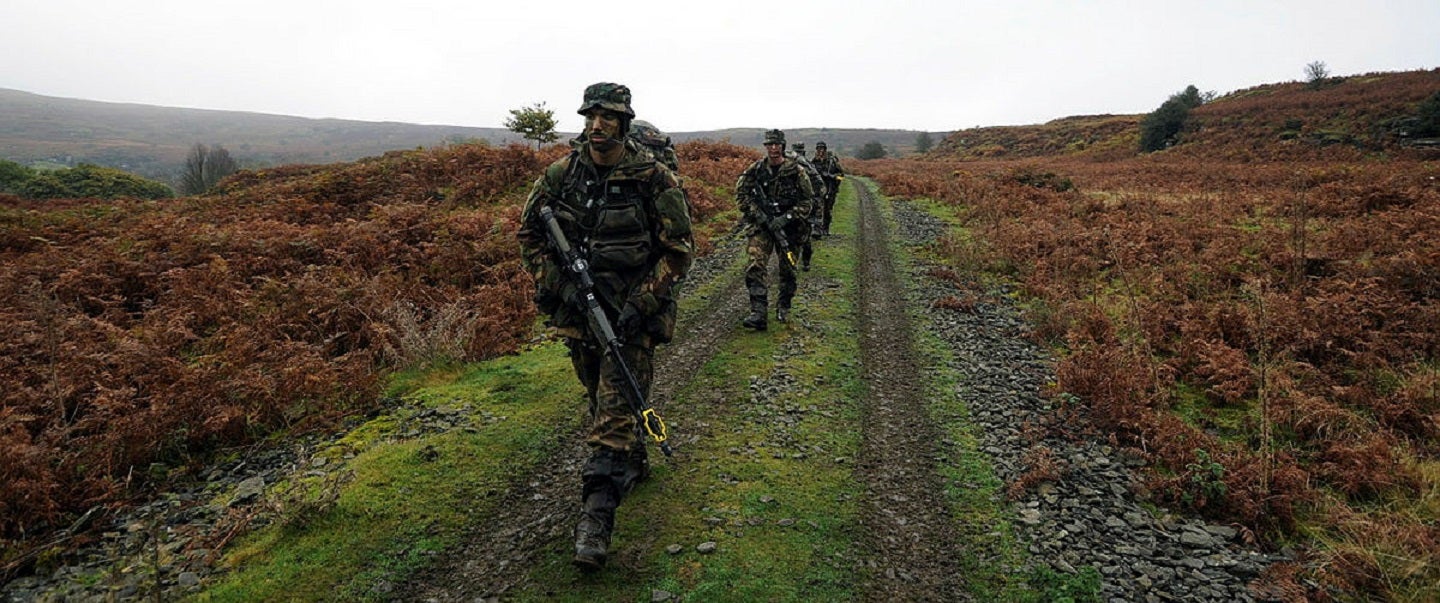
(628, 216)
(810, 226)
(830, 171)
(775, 198)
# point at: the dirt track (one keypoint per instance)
(905, 557)
(495, 556)
(906, 544)
(911, 539)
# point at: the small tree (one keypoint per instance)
(204, 168)
(871, 150)
(923, 142)
(1316, 74)
(533, 123)
(1161, 128)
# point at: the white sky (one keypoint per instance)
(909, 64)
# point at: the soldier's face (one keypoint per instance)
(602, 126)
(775, 150)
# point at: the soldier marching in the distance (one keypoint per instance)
(626, 221)
(830, 171)
(776, 198)
(804, 236)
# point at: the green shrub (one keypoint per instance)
(1429, 117)
(87, 181)
(1161, 129)
(871, 150)
(13, 176)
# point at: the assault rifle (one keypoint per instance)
(771, 209)
(579, 270)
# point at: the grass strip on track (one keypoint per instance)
(411, 497)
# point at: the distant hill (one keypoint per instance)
(842, 142)
(153, 141)
(1348, 115)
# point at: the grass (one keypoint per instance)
(413, 496)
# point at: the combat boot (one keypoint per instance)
(756, 319)
(782, 312)
(637, 468)
(597, 519)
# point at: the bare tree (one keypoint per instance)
(204, 168)
(1316, 73)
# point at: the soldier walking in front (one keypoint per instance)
(626, 216)
(775, 198)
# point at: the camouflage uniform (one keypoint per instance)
(787, 200)
(632, 223)
(830, 171)
(811, 225)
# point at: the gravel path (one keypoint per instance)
(1089, 516)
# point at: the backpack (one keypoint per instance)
(654, 141)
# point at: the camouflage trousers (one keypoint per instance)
(612, 420)
(832, 188)
(759, 248)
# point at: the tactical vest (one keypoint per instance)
(782, 186)
(608, 220)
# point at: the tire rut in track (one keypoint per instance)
(538, 512)
(909, 539)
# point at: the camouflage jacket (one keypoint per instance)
(817, 182)
(764, 191)
(829, 166)
(632, 224)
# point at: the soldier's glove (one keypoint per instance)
(778, 223)
(630, 322)
(570, 294)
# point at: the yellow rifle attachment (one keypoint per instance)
(652, 421)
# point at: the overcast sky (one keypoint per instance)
(919, 65)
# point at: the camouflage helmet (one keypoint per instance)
(798, 147)
(605, 95)
(820, 145)
(775, 137)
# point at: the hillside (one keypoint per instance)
(1346, 118)
(842, 142)
(153, 141)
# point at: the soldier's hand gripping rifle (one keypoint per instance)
(579, 271)
(770, 211)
